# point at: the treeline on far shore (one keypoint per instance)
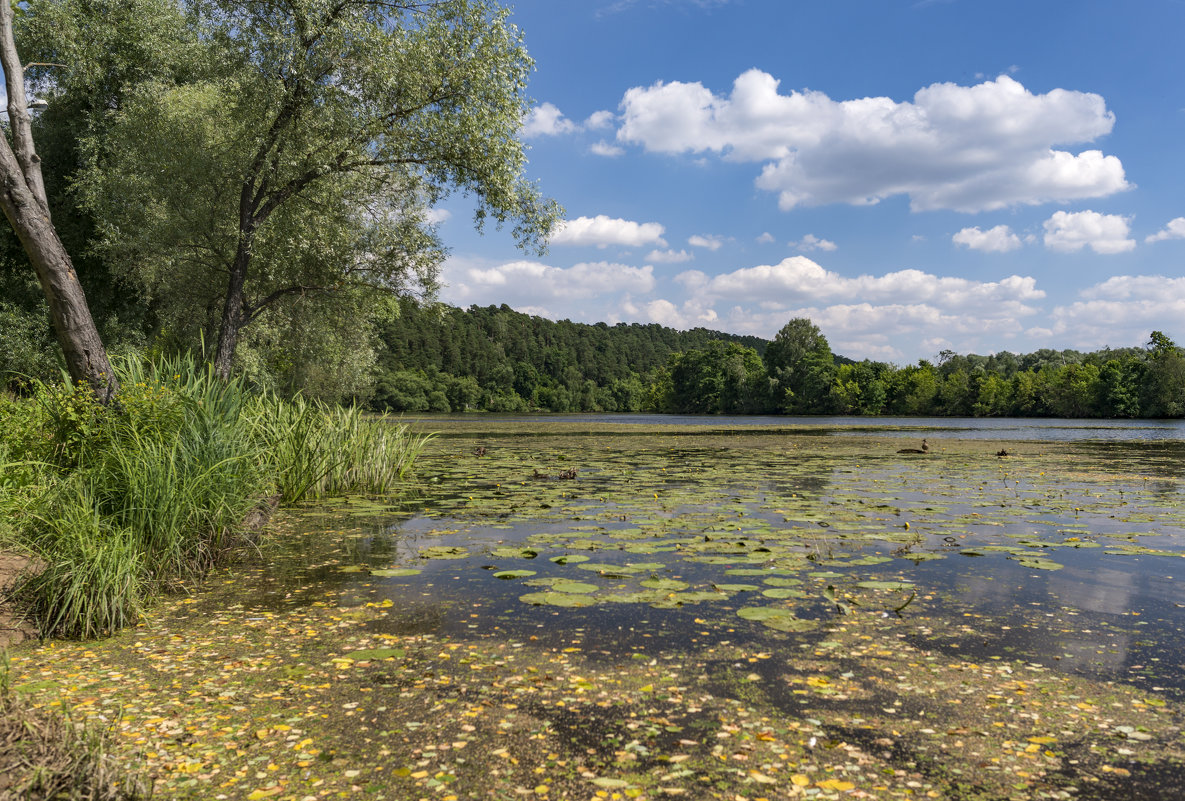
(444, 359)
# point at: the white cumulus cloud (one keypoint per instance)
(599, 120)
(811, 242)
(603, 230)
(709, 242)
(797, 280)
(968, 148)
(766, 238)
(994, 240)
(669, 256)
(538, 286)
(547, 120)
(606, 149)
(1068, 232)
(1174, 229)
(1119, 312)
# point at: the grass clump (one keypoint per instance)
(122, 503)
(45, 756)
(317, 451)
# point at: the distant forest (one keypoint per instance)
(438, 358)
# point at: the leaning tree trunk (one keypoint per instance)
(234, 311)
(22, 194)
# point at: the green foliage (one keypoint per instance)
(721, 378)
(124, 502)
(27, 347)
(496, 359)
(315, 450)
(93, 581)
(281, 155)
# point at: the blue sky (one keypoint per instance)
(912, 176)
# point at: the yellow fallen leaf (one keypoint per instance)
(834, 784)
(262, 792)
(800, 780)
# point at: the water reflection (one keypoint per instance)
(996, 428)
(736, 512)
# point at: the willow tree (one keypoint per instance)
(23, 197)
(299, 159)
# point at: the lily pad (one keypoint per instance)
(776, 618)
(395, 572)
(444, 552)
(782, 592)
(885, 585)
(508, 553)
(556, 599)
(665, 584)
(577, 587)
(569, 559)
(1038, 563)
(783, 582)
(513, 574)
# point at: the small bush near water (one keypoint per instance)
(123, 503)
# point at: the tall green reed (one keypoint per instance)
(149, 494)
(316, 451)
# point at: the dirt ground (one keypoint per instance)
(12, 630)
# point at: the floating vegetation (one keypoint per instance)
(696, 615)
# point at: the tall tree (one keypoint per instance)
(300, 158)
(22, 194)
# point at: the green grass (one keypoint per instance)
(317, 451)
(123, 503)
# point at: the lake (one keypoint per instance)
(703, 609)
(1004, 428)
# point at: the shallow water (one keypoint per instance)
(1001, 428)
(1062, 553)
(692, 611)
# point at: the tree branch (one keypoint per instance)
(18, 110)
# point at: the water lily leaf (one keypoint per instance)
(396, 572)
(556, 599)
(1038, 563)
(444, 552)
(569, 559)
(578, 587)
(665, 584)
(783, 582)
(645, 597)
(513, 574)
(510, 553)
(776, 618)
(871, 560)
(885, 585)
(781, 592)
(736, 587)
(749, 571)
(609, 570)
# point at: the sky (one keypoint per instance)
(912, 175)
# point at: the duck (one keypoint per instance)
(924, 449)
